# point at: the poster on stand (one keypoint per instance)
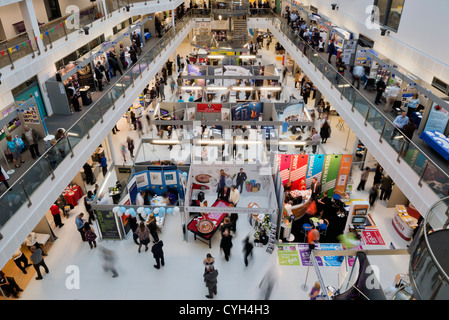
(247, 111)
(330, 172)
(438, 119)
(107, 225)
(314, 168)
(343, 173)
(298, 170)
(284, 162)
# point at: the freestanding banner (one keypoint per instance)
(108, 225)
(343, 173)
(298, 170)
(284, 161)
(330, 172)
(314, 168)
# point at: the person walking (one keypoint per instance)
(38, 261)
(325, 131)
(208, 262)
(143, 234)
(79, 221)
(161, 90)
(90, 235)
(247, 250)
(99, 69)
(373, 194)
(226, 243)
(21, 260)
(109, 259)
(158, 253)
(31, 139)
(315, 291)
(56, 213)
(392, 95)
(363, 179)
(130, 143)
(210, 277)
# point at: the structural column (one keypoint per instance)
(31, 23)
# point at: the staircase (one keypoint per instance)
(240, 28)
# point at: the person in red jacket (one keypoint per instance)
(56, 212)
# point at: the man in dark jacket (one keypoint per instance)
(99, 75)
(330, 51)
(380, 88)
(223, 194)
(408, 130)
(240, 180)
(114, 65)
(31, 139)
(158, 254)
(210, 277)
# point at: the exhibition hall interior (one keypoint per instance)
(224, 150)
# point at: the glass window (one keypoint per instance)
(390, 12)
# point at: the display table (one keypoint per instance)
(437, 141)
(215, 218)
(158, 201)
(299, 210)
(403, 223)
(42, 239)
(72, 194)
(86, 98)
(115, 193)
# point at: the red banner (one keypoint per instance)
(372, 237)
(284, 161)
(209, 107)
(298, 170)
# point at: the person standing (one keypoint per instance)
(208, 262)
(15, 149)
(31, 139)
(158, 253)
(363, 179)
(224, 194)
(330, 51)
(226, 243)
(386, 187)
(392, 96)
(234, 196)
(315, 291)
(56, 213)
(88, 173)
(210, 277)
(9, 285)
(380, 88)
(408, 130)
(103, 164)
(143, 234)
(316, 189)
(79, 221)
(357, 73)
(341, 67)
(400, 121)
(325, 131)
(99, 75)
(19, 259)
(4, 177)
(412, 104)
(247, 250)
(90, 235)
(38, 261)
(222, 180)
(130, 143)
(114, 65)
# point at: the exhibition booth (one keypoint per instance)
(209, 197)
(130, 194)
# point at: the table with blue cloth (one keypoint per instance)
(417, 117)
(437, 141)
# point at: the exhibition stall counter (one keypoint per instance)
(403, 223)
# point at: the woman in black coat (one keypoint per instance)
(378, 175)
(324, 132)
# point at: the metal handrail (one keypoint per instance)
(371, 105)
(96, 105)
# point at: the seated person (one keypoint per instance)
(288, 197)
(171, 198)
(261, 239)
(224, 193)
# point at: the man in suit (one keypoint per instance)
(330, 50)
(158, 254)
(316, 188)
(210, 277)
(241, 178)
(223, 194)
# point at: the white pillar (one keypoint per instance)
(31, 23)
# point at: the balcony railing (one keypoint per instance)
(425, 168)
(19, 193)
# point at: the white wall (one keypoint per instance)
(420, 44)
(10, 14)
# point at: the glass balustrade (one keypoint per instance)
(20, 192)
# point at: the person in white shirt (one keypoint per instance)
(392, 94)
(234, 196)
(139, 198)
